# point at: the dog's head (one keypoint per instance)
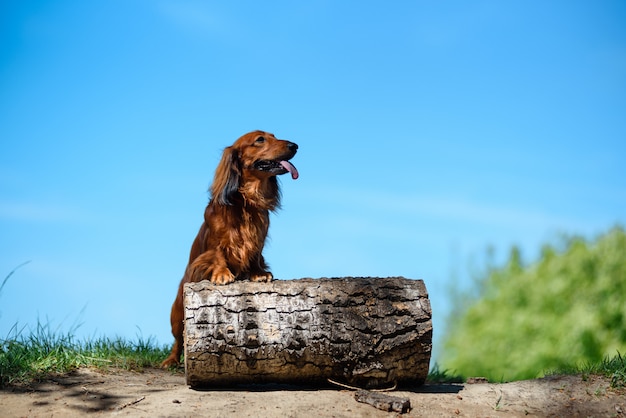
(257, 158)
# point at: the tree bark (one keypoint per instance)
(383, 402)
(364, 332)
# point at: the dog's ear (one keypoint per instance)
(227, 177)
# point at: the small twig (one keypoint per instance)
(383, 402)
(343, 385)
(136, 401)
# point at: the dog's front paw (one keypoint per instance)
(223, 276)
(264, 276)
(170, 362)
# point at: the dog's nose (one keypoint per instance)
(293, 147)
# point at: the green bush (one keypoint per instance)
(568, 308)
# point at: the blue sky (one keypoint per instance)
(428, 131)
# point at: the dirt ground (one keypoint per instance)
(160, 393)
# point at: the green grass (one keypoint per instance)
(42, 353)
(33, 357)
(436, 375)
(614, 368)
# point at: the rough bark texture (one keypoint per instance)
(366, 332)
(383, 402)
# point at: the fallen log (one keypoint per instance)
(364, 332)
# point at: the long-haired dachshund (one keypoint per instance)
(230, 242)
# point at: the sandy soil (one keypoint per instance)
(155, 393)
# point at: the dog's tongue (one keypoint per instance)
(291, 168)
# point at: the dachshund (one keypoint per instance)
(230, 242)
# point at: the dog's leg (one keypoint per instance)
(259, 270)
(211, 266)
(176, 319)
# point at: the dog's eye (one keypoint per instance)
(260, 140)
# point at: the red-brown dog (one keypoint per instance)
(230, 242)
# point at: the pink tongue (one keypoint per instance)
(291, 168)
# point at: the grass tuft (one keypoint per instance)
(613, 368)
(33, 357)
(436, 375)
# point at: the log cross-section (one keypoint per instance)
(363, 332)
